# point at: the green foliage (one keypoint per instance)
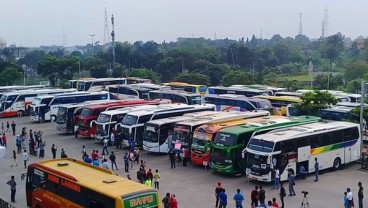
(320, 82)
(118, 71)
(290, 84)
(356, 113)
(98, 71)
(356, 69)
(234, 77)
(9, 75)
(145, 74)
(193, 78)
(32, 58)
(354, 86)
(314, 101)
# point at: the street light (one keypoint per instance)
(361, 120)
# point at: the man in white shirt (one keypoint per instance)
(349, 196)
(25, 158)
(105, 142)
(276, 184)
(112, 139)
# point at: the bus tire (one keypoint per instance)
(337, 164)
(53, 118)
(20, 113)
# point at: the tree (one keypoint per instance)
(237, 77)
(98, 71)
(145, 74)
(193, 78)
(9, 75)
(320, 82)
(289, 84)
(32, 58)
(356, 69)
(314, 101)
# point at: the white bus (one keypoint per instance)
(45, 108)
(140, 90)
(133, 123)
(159, 134)
(177, 96)
(107, 120)
(17, 103)
(97, 85)
(248, 92)
(333, 144)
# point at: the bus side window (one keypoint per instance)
(326, 138)
(315, 141)
(338, 137)
(94, 204)
(288, 146)
(302, 142)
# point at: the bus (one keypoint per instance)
(181, 129)
(132, 125)
(73, 84)
(63, 183)
(204, 134)
(17, 103)
(45, 107)
(106, 121)
(290, 94)
(227, 102)
(136, 80)
(99, 84)
(248, 92)
(177, 96)
(89, 114)
(281, 103)
(4, 89)
(338, 113)
(158, 134)
(230, 142)
(67, 112)
(333, 144)
(190, 88)
(270, 89)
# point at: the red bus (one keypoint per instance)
(90, 113)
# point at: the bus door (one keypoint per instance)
(303, 152)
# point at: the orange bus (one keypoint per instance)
(76, 184)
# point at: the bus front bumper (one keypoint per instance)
(199, 159)
(256, 177)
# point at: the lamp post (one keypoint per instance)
(361, 120)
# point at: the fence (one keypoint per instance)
(4, 204)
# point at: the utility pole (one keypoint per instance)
(113, 40)
(106, 29)
(92, 35)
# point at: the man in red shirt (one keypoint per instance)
(218, 190)
(274, 203)
(254, 196)
(4, 140)
(94, 155)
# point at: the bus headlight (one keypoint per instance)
(228, 161)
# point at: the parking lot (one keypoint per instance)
(193, 185)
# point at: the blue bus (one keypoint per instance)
(248, 92)
(228, 102)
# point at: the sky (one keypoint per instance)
(32, 23)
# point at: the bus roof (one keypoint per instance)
(283, 93)
(238, 89)
(62, 94)
(39, 91)
(125, 110)
(280, 98)
(92, 177)
(182, 84)
(233, 96)
(102, 79)
(185, 117)
(269, 121)
(175, 92)
(305, 129)
(86, 103)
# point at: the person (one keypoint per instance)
(84, 152)
(112, 139)
(254, 195)
(14, 157)
(302, 172)
(148, 182)
(316, 169)
(262, 195)
(141, 175)
(291, 179)
(76, 131)
(105, 164)
(42, 149)
(96, 162)
(53, 151)
(156, 180)
(8, 127)
(166, 201)
(126, 162)
(143, 164)
(105, 143)
(282, 195)
(131, 158)
(349, 196)
(13, 125)
(345, 200)
(173, 201)
(274, 203)
(25, 158)
(113, 161)
(136, 155)
(218, 190)
(360, 195)
(18, 142)
(172, 159)
(149, 174)
(94, 155)
(4, 140)
(63, 154)
(277, 178)
(238, 198)
(223, 199)
(87, 159)
(13, 188)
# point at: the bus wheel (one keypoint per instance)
(337, 164)
(53, 118)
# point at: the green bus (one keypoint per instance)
(229, 142)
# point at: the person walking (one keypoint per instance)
(113, 161)
(254, 196)
(136, 155)
(112, 139)
(316, 169)
(291, 179)
(274, 203)
(262, 195)
(18, 142)
(360, 195)
(126, 163)
(76, 131)
(172, 159)
(156, 179)
(84, 152)
(14, 157)
(218, 190)
(7, 126)
(4, 141)
(13, 188)
(131, 158)
(105, 143)
(173, 201)
(302, 172)
(13, 125)
(282, 195)
(148, 182)
(166, 201)
(53, 151)
(149, 174)
(277, 178)
(345, 200)
(349, 196)
(223, 199)
(238, 198)
(42, 149)
(25, 158)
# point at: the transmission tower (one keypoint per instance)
(325, 22)
(113, 40)
(106, 30)
(300, 24)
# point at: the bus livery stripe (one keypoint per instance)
(331, 147)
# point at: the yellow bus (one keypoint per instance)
(192, 88)
(280, 103)
(76, 184)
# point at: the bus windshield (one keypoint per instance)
(150, 134)
(201, 139)
(225, 139)
(129, 120)
(37, 101)
(61, 115)
(260, 145)
(183, 136)
(194, 100)
(219, 157)
(86, 112)
(103, 118)
(255, 160)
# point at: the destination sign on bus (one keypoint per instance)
(64, 183)
(201, 135)
(141, 201)
(182, 128)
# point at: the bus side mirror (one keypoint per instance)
(130, 130)
(243, 154)
(268, 160)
